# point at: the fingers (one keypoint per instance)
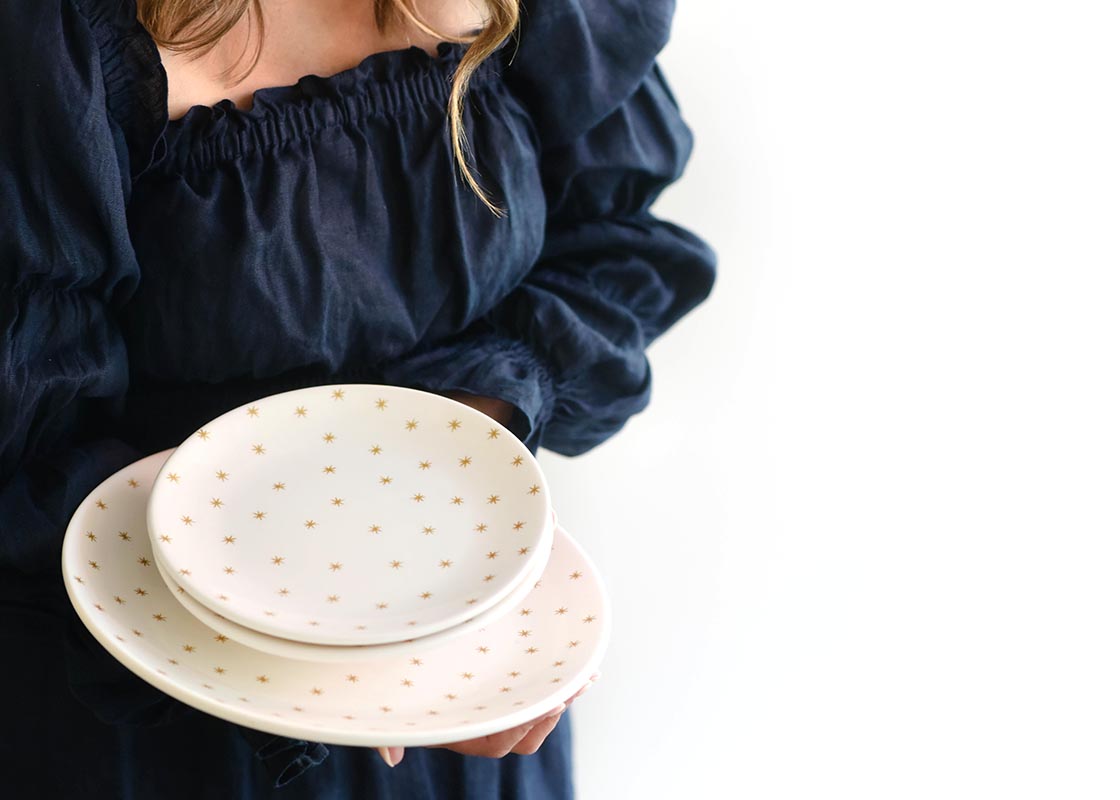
(536, 736)
(391, 755)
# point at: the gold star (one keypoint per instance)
(534, 489)
(531, 650)
(481, 527)
(252, 411)
(277, 560)
(526, 612)
(91, 536)
(556, 680)
(454, 424)
(258, 449)
(335, 566)
(120, 601)
(483, 649)
(124, 537)
(133, 483)
(136, 632)
(445, 563)
(229, 570)
(451, 696)
(332, 598)
(352, 678)
(220, 670)
(513, 674)
(518, 525)
(144, 562)
(386, 709)
(396, 564)
(493, 499)
(313, 623)
(184, 571)
(315, 690)
(419, 498)
(457, 501)
(557, 663)
(505, 689)
(425, 465)
(523, 551)
(94, 565)
(283, 593)
(260, 514)
(589, 618)
(381, 404)
(159, 617)
(517, 460)
(221, 475)
(524, 632)
(493, 433)
(468, 675)
(465, 461)
(216, 502)
(328, 437)
(416, 662)
(338, 394)
(472, 601)
(262, 679)
(381, 606)
(492, 554)
(301, 411)
(573, 643)
(376, 449)
(101, 504)
(279, 486)
(165, 538)
(173, 477)
(337, 501)
(425, 595)
(221, 638)
(411, 425)
(188, 648)
(561, 610)
(375, 529)
(204, 435)
(140, 591)
(229, 539)
(575, 575)
(406, 682)
(429, 530)
(187, 520)
(488, 578)
(386, 480)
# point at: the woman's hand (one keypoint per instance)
(524, 739)
(498, 410)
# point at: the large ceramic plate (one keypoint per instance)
(520, 667)
(344, 653)
(350, 515)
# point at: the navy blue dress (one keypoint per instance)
(156, 273)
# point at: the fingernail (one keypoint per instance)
(557, 711)
(391, 755)
(594, 677)
(386, 756)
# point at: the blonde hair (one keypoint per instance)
(196, 26)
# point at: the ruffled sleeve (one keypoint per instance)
(85, 102)
(567, 346)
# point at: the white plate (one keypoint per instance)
(345, 653)
(350, 515)
(521, 666)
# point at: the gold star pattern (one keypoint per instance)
(221, 638)
(445, 563)
(526, 612)
(416, 662)
(133, 483)
(411, 425)
(562, 610)
(382, 606)
(337, 501)
(328, 470)
(381, 404)
(451, 696)
(188, 648)
(216, 502)
(472, 601)
(278, 560)
(159, 617)
(493, 499)
(483, 649)
(101, 505)
(589, 618)
(396, 564)
(493, 434)
(429, 530)
(173, 477)
(523, 551)
(505, 689)
(517, 461)
(144, 562)
(376, 449)
(468, 675)
(253, 411)
(335, 566)
(524, 632)
(419, 498)
(513, 674)
(262, 679)
(220, 670)
(352, 678)
(481, 527)
(492, 555)
(187, 520)
(140, 591)
(315, 690)
(425, 465)
(301, 411)
(283, 593)
(258, 449)
(279, 486)
(136, 632)
(204, 435)
(338, 394)
(260, 514)
(229, 570)
(425, 595)
(94, 565)
(488, 578)
(518, 525)
(386, 480)
(184, 571)
(120, 601)
(575, 576)
(458, 501)
(534, 489)
(465, 461)
(329, 437)
(221, 475)
(124, 536)
(229, 539)
(531, 651)
(558, 663)
(375, 529)
(165, 538)
(454, 424)
(332, 598)
(406, 682)
(91, 536)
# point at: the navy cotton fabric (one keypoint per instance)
(155, 273)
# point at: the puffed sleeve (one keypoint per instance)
(567, 346)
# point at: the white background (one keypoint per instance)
(866, 540)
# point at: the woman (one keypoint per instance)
(191, 223)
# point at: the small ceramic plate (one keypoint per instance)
(521, 666)
(350, 515)
(344, 653)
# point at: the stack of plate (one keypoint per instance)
(352, 564)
